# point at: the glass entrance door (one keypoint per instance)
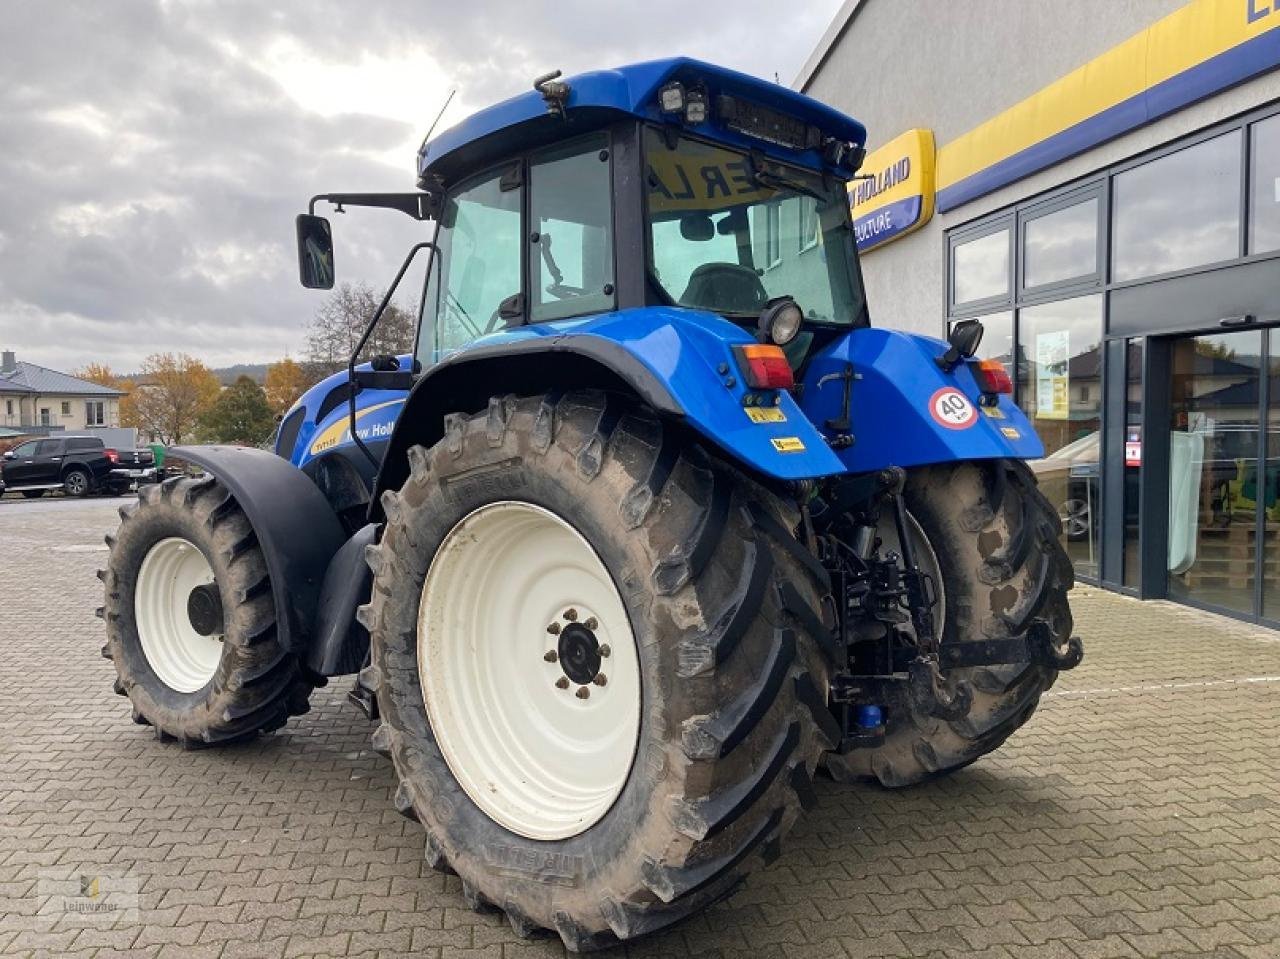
(1220, 504)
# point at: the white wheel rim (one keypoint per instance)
(535, 756)
(180, 657)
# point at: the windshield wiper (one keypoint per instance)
(772, 181)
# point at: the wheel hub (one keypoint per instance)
(204, 609)
(578, 652)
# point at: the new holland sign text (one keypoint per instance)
(896, 195)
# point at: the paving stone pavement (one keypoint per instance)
(1137, 815)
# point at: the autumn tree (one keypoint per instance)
(340, 322)
(172, 393)
(284, 382)
(98, 373)
(240, 414)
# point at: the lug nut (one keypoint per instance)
(554, 629)
(562, 682)
(600, 679)
(571, 615)
(605, 650)
(591, 624)
(583, 692)
(550, 656)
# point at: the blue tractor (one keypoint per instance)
(650, 526)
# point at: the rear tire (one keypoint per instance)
(996, 541)
(723, 615)
(183, 532)
(76, 483)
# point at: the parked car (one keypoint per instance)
(77, 465)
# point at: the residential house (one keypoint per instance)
(36, 399)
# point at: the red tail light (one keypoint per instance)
(764, 367)
(992, 377)
(113, 456)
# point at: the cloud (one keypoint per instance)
(154, 153)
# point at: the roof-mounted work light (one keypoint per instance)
(671, 97)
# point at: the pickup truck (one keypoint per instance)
(77, 465)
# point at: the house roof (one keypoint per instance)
(30, 378)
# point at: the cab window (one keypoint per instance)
(476, 268)
(571, 235)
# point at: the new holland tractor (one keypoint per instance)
(650, 526)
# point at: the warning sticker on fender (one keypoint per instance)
(952, 409)
(788, 444)
(765, 414)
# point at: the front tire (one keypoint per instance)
(191, 623)
(995, 538)
(716, 639)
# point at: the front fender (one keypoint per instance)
(893, 415)
(678, 361)
(293, 522)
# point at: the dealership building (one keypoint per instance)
(1099, 182)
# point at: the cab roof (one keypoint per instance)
(602, 96)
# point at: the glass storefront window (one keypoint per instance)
(1061, 245)
(1270, 487)
(1060, 390)
(980, 268)
(1132, 459)
(1178, 211)
(1264, 210)
(1213, 468)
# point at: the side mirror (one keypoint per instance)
(315, 252)
(697, 227)
(9, 455)
(964, 339)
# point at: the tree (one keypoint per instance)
(340, 321)
(173, 392)
(284, 382)
(98, 373)
(240, 414)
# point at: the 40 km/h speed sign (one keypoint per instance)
(952, 409)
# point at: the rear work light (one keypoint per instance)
(113, 456)
(992, 377)
(764, 366)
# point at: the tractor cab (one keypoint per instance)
(673, 183)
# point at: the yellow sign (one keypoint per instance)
(895, 196)
(765, 414)
(1010, 432)
(787, 444)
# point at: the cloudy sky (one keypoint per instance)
(153, 153)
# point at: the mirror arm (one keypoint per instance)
(420, 206)
(364, 338)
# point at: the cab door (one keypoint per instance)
(19, 464)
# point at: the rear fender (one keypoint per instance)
(294, 524)
(894, 403)
(680, 362)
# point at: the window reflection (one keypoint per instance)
(980, 268)
(1060, 390)
(1213, 475)
(1061, 245)
(1264, 217)
(1179, 211)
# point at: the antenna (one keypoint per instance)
(447, 101)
